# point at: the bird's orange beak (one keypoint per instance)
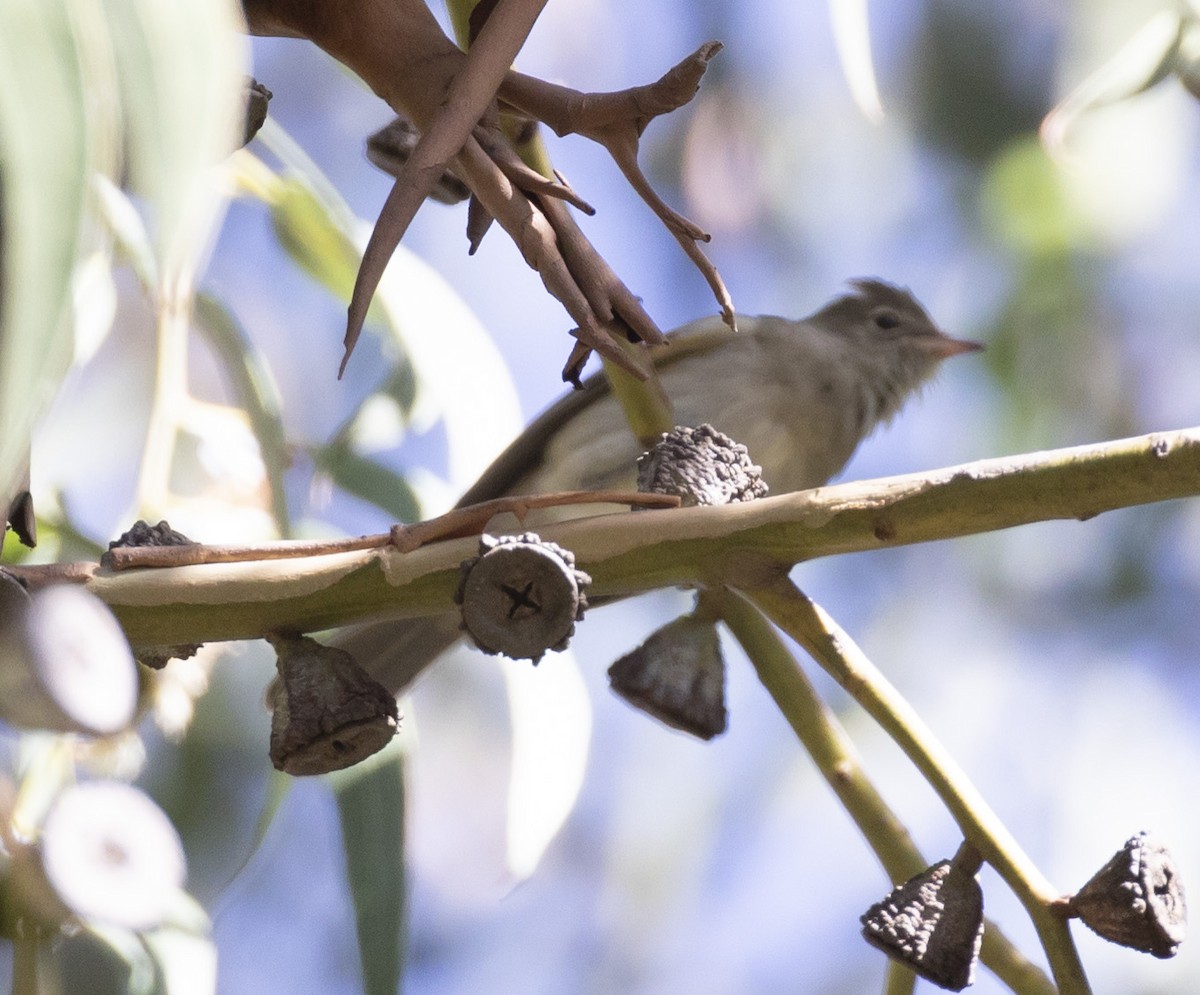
(943, 347)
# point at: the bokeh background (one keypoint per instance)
(1057, 662)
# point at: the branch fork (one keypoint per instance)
(455, 99)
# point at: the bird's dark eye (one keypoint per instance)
(885, 318)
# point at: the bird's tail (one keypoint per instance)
(397, 651)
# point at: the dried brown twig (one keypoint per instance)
(455, 98)
(616, 121)
(454, 524)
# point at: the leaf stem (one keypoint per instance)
(806, 622)
(829, 745)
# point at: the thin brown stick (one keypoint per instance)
(160, 557)
(616, 121)
(455, 524)
(472, 519)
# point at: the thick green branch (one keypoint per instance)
(743, 544)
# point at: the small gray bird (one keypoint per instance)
(800, 395)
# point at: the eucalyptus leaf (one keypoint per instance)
(48, 146)
(308, 232)
(315, 228)
(368, 479)
(182, 81)
(552, 731)
(1147, 58)
(371, 799)
(257, 393)
(461, 377)
(187, 962)
(128, 229)
(81, 81)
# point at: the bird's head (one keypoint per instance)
(881, 316)
(890, 339)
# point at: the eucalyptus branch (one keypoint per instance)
(836, 652)
(746, 545)
(470, 95)
(899, 980)
(827, 742)
(455, 99)
(25, 959)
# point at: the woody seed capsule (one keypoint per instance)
(702, 466)
(678, 676)
(933, 924)
(1136, 899)
(521, 596)
(328, 713)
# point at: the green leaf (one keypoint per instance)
(47, 148)
(187, 963)
(81, 81)
(460, 376)
(552, 731)
(279, 786)
(182, 78)
(372, 481)
(317, 244)
(1026, 202)
(256, 392)
(128, 229)
(370, 798)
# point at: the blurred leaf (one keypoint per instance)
(187, 962)
(1055, 350)
(48, 146)
(370, 799)
(182, 89)
(552, 731)
(315, 227)
(279, 786)
(47, 767)
(308, 233)
(460, 376)
(400, 387)
(1187, 58)
(80, 81)
(129, 229)
(95, 293)
(365, 478)
(1145, 60)
(1024, 200)
(256, 392)
(164, 961)
(852, 36)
